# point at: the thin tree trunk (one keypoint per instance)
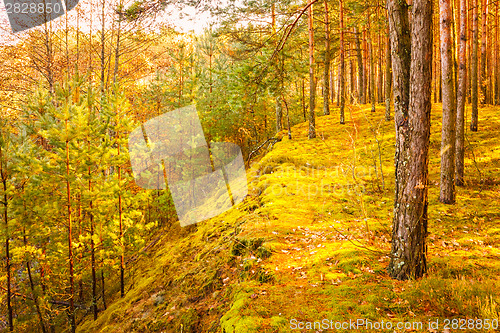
(326, 73)
(388, 81)
(462, 78)
(32, 287)
(120, 219)
(380, 93)
(278, 107)
(117, 48)
(8, 272)
(103, 67)
(474, 83)
(447, 184)
(342, 63)
(372, 66)
(312, 84)
(359, 56)
(484, 36)
(70, 242)
(496, 62)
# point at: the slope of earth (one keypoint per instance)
(311, 242)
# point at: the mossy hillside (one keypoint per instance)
(311, 241)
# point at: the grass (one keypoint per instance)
(311, 241)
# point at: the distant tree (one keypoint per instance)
(388, 81)
(447, 184)
(342, 63)
(474, 74)
(461, 94)
(326, 72)
(312, 82)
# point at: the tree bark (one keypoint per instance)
(342, 63)
(380, 93)
(312, 84)
(462, 79)
(388, 81)
(447, 184)
(372, 66)
(71, 313)
(32, 287)
(326, 72)
(3, 177)
(484, 36)
(412, 134)
(361, 93)
(474, 83)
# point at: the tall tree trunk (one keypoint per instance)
(278, 107)
(409, 249)
(484, 36)
(3, 177)
(359, 56)
(412, 133)
(462, 78)
(474, 90)
(312, 84)
(496, 62)
(103, 25)
(372, 66)
(117, 47)
(326, 73)
(380, 76)
(447, 184)
(120, 219)
(279, 115)
(70, 241)
(388, 81)
(342, 63)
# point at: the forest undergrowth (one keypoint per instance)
(312, 239)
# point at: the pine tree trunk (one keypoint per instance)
(461, 94)
(70, 242)
(326, 73)
(412, 134)
(92, 251)
(359, 56)
(388, 81)
(474, 83)
(380, 93)
(447, 184)
(32, 287)
(8, 272)
(484, 34)
(312, 84)
(342, 64)
(372, 66)
(120, 219)
(496, 62)
(410, 227)
(279, 115)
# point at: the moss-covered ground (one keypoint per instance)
(311, 241)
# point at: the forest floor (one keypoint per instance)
(311, 242)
